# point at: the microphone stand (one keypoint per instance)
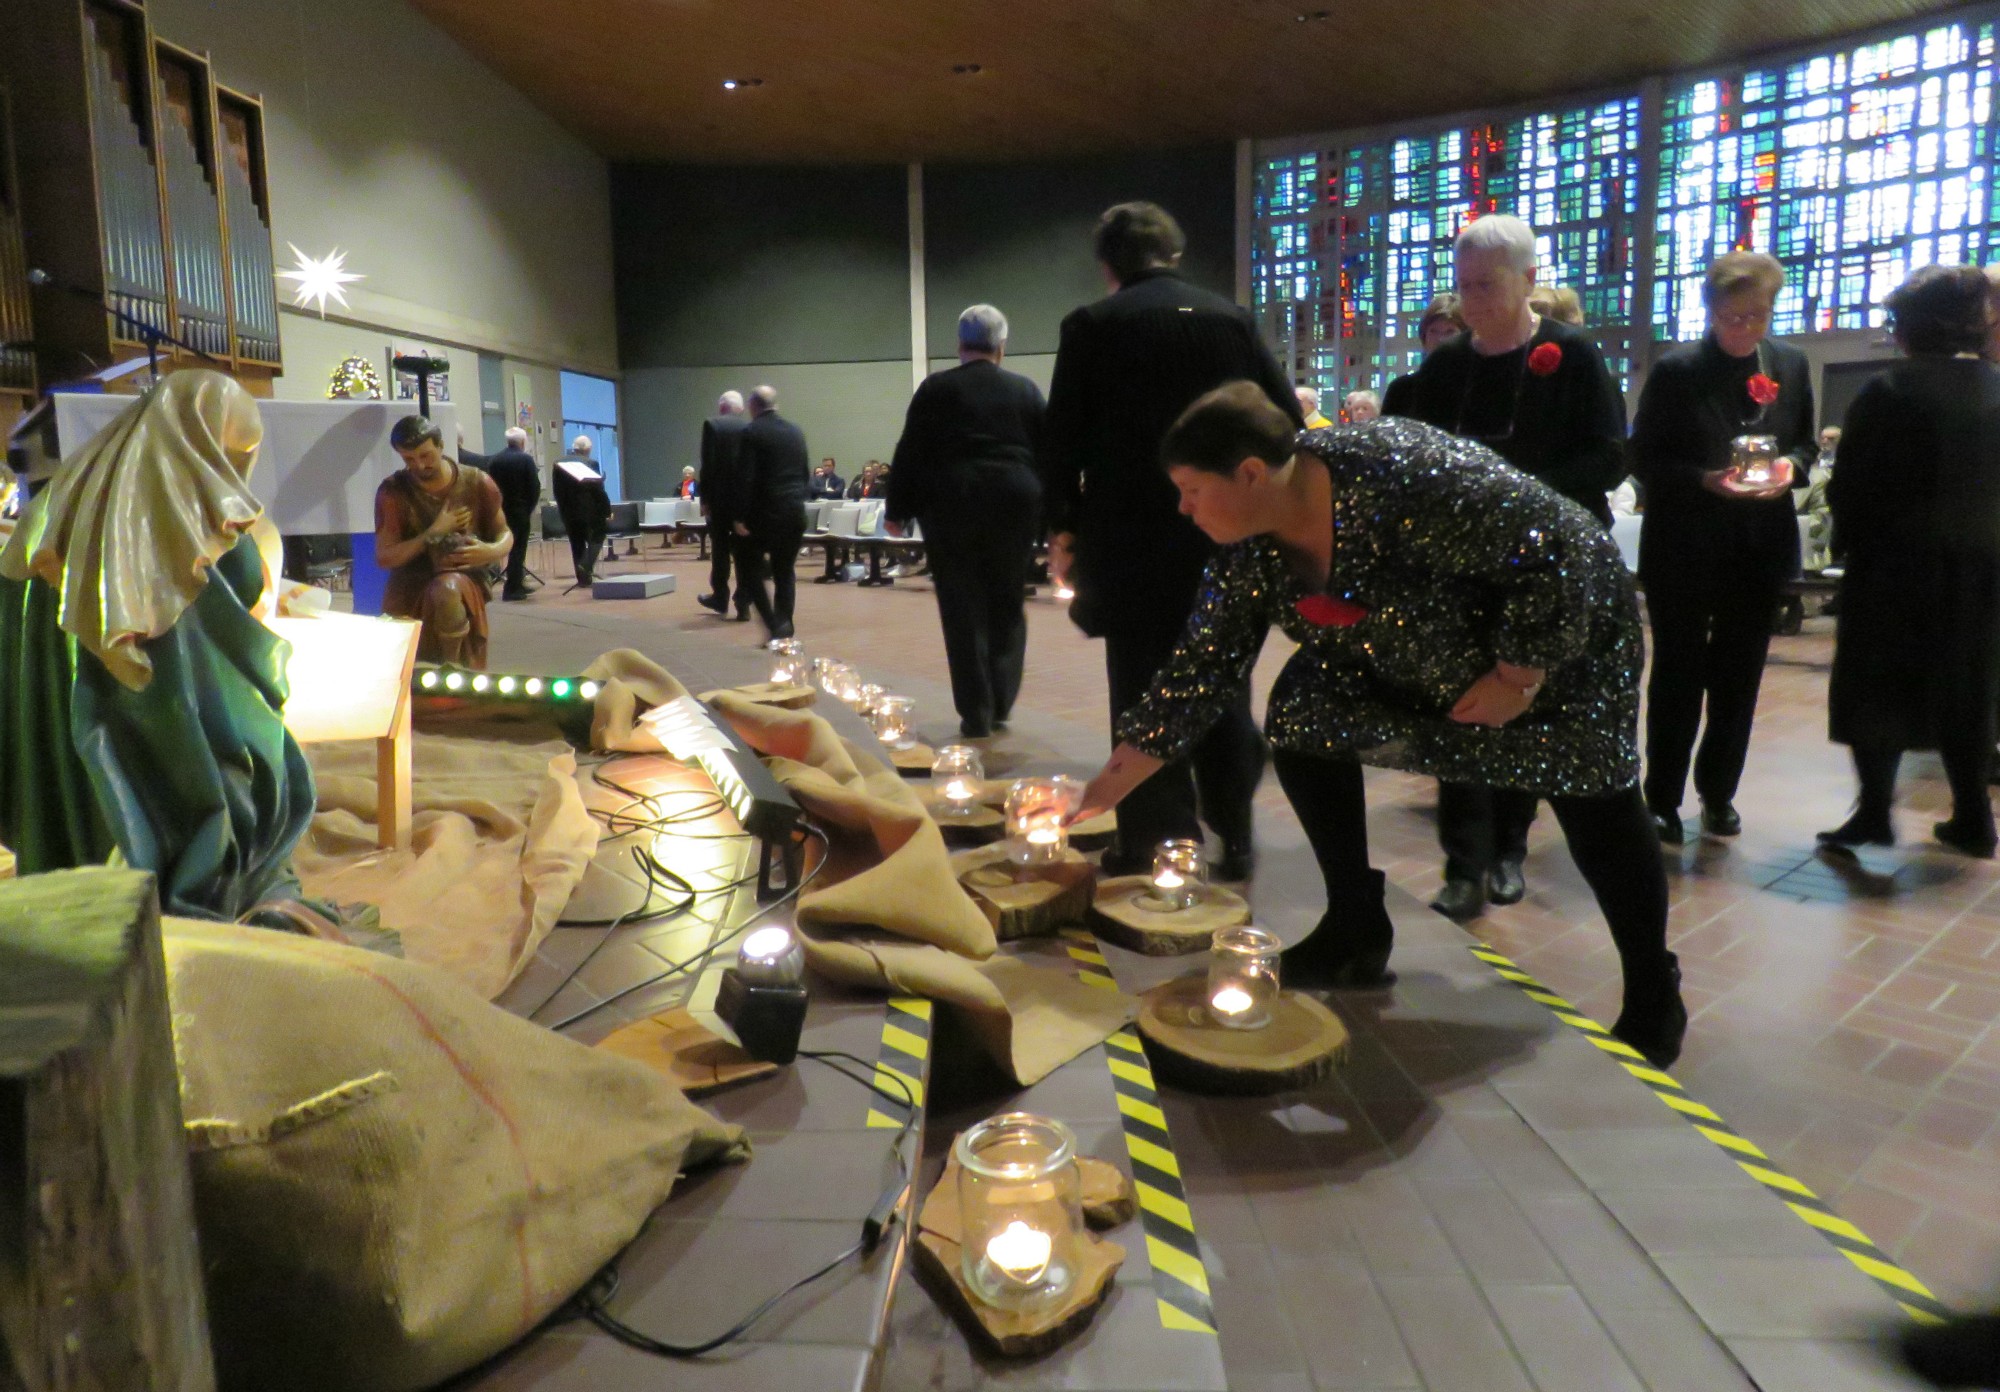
(149, 334)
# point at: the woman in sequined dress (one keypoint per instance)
(1455, 618)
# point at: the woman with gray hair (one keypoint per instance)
(1537, 393)
(965, 470)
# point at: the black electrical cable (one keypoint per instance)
(592, 1302)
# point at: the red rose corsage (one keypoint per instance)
(1763, 390)
(1546, 358)
(1325, 611)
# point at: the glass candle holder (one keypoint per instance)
(847, 685)
(828, 672)
(891, 719)
(1038, 819)
(1753, 460)
(870, 696)
(1243, 977)
(957, 777)
(1020, 1210)
(1179, 876)
(788, 662)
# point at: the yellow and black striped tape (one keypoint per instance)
(1180, 1278)
(1905, 1289)
(906, 1044)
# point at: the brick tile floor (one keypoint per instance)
(1844, 1015)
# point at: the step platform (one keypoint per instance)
(631, 586)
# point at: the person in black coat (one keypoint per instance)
(769, 507)
(584, 505)
(1537, 393)
(965, 469)
(827, 483)
(1714, 553)
(1916, 503)
(1126, 367)
(520, 482)
(721, 454)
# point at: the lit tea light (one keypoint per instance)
(957, 777)
(1021, 1252)
(1753, 460)
(1178, 876)
(1038, 811)
(1065, 592)
(871, 695)
(1243, 977)
(788, 664)
(891, 718)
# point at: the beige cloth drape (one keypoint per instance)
(886, 912)
(129, 525)
(499, 840)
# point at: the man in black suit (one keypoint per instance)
(1127, 366)
(520, 482)
(584, 505)
(721, 456)
(770, 510)
(827, 482)
(965, 469)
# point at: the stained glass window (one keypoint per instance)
(1852, 167)
(1366, 243)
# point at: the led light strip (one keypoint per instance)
(505, 686)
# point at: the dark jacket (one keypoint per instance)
(1696, 400)
(519, 479)
(770, 485)
(721, 449)
(975, 414)
(829, 486)
(1916, 502)
(585, 507)
(1127, 366)
(1568, 426)
(866, 488)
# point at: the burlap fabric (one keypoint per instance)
(394, 1179)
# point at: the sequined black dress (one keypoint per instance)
(1459, 560)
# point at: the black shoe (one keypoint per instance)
(972, 729)
(1977, 840)
(1962, 1352)
(1353, 956)
(742, 616)
(1859, 830)
(1238, 863)
(1504, 884)
(1655, 1019)
(1720, 818)
(714, 603)
(512, 595)
(783, 630)
(1460, 900)
(1672, 833)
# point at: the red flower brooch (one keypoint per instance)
(1546, 358)
(1324, 611)
(1763, 390)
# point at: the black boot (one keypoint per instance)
(1654, 1020)
(1867, 827)
(1460, 900)
(1349, 949)
(1504, 884)
(1963, 1352)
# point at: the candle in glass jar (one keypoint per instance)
(869, 696)
(1020, 1210)
(1020, 1253)
(891, 719)
(1178, 875)
(788, 662)
(957, 776)
(1243, 977)
(1037, 819)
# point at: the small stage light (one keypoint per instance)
(763, 997)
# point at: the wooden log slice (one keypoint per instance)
(1304, 1042)
(1108, 1198)
(914, 762)
(1011, 1333)
(1094, 833)
(1026, 901)
(979, 825)
(1122, 913)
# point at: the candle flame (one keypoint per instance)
(960, 790)
(1169, 878)
(1021, 1252)
(1044, 836)
(1230, 1000)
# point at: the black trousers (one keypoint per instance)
(980, 544)
(1711, 632)
(1218, 779)
(517, 559)
(1967, 760)
(1611, 838)
(722, 545)
(585, 545)
(771, 553)
(1479, 826)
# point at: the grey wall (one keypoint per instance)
(478, 222)
(1018, 235)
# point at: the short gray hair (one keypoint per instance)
(1499, 232)
(729, 403)
(983, 329)
(517, 437)
(765, 398)
(1308, 396)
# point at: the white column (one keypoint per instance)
(920, 356)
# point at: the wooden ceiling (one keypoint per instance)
(872, 80)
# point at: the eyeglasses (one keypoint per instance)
(1749, 319)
